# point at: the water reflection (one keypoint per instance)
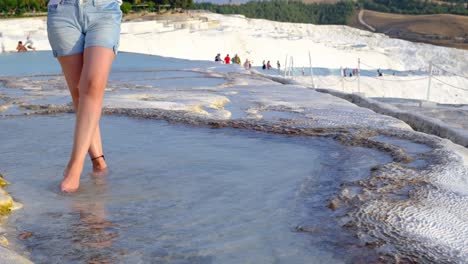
(93, 235)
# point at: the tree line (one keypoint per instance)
(288, 11)
(20, 7)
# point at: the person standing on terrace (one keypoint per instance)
(227, 59)
(84, 36)
(218, 58)
(236, 59)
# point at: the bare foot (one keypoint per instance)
(71, 182)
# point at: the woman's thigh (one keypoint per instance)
(97, 62)
(71, 67)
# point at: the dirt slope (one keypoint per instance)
(442, 29)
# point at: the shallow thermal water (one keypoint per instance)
(178, 194)
(453, 115)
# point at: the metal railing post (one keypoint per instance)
(359, 75)
(311, 71)
(428, 94)
(285, 67)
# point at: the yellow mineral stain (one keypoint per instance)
(198, 109)
(6, 202)
(6, 205)
(219, 104)
(3, 182)
(3, 241)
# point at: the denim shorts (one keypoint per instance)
(74, 25)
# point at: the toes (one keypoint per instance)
(68, 188)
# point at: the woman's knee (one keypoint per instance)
(93, 88)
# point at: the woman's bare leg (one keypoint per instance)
(97, 62)
(72, 66)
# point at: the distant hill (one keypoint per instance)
(440, 29)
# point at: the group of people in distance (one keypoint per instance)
(350, 73)
(267, 66)
(354, 72)
(235, 60)
(227, 59)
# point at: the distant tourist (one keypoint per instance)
(268, 65)
(344, 72)
(227, 59)
(3, 44)
(218, 58)
(236, 59)
(247, 64)
(379, 73)
(21, 47)
(29, 43)
(264, 65)
(278, 66)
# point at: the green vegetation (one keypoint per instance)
(126, 7)
(18, 7)
(288, 11)
(416, 7)
(10, 8)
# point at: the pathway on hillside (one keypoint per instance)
(361, 20)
